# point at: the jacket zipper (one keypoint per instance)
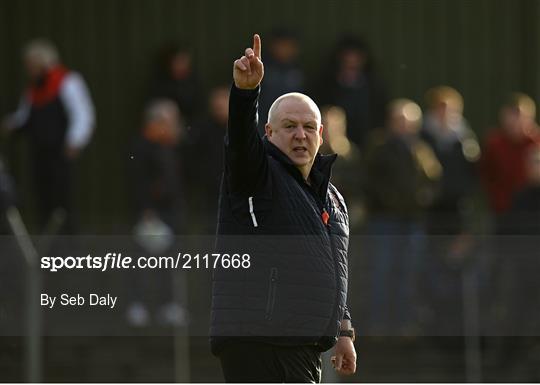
(271, 293)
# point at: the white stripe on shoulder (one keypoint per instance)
(253, 218)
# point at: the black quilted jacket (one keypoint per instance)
(294, 290)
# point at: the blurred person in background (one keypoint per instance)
(457, 150)
(523, 298)
(205, 144)
(402, 173)
(503, 164)
(177, 80)
(282, 71)
(57, 114)
(347, 173)
(350, 82)
(518, 290)
(157, 186)
(156, 166)
(504, 172)
(456, 147)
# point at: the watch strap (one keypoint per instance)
(348, 333)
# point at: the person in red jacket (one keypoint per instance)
(503, 165)
(57, 115)
(505, 173)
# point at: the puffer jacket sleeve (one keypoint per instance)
(245, 158)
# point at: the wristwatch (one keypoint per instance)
(348, 333)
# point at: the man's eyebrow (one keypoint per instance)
(285, 120)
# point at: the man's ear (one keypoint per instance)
(268, 130)
(321, 129)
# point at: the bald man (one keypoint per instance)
(274, 315)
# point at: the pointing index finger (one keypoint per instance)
(257, 45)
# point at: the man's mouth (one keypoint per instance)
(299, 150)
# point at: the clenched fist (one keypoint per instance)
(248, 71)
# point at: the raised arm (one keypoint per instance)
(244, 153)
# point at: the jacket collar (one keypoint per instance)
(320, 172)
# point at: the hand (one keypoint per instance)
(248, 71)
(345, 359)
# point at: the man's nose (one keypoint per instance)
(299, 132)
